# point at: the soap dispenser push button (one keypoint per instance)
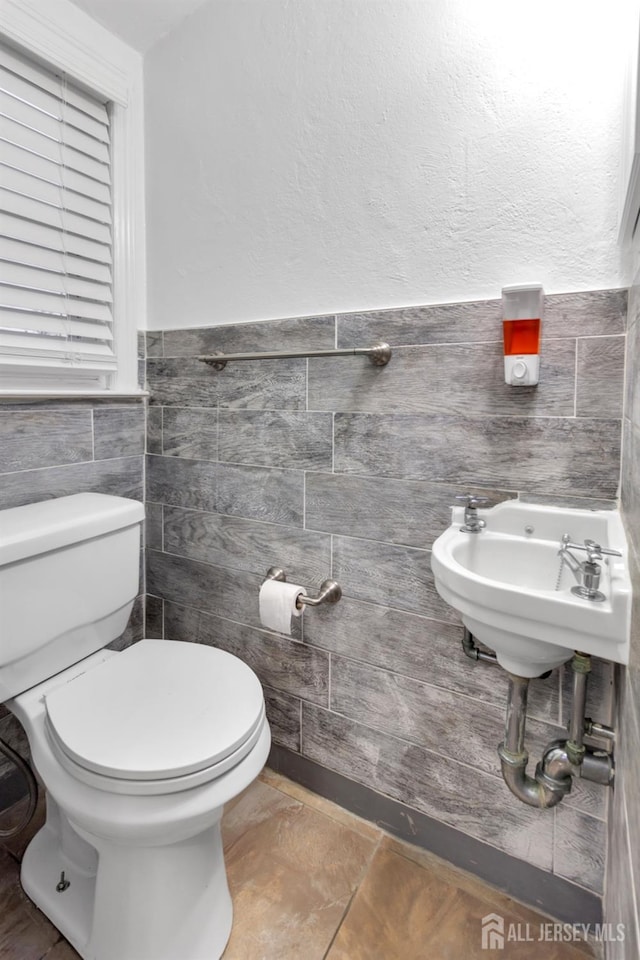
(522, 371)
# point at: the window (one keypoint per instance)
(55, 226)
(72, 277)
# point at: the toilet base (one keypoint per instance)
(144, 903)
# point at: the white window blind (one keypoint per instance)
(56, 314)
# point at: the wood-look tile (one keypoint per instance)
(62, 951)
(479, 320)
(600, 377)
(537, 454)
(299, 441)
(291, 875)
(203, 586)
(41, 437)
(630, 489)
(261, 493)
(263, 385)
(296, 333)
(411, 512)
(579, 849)
(153, 525)
(121, 477)
(586, 314)
(632, 391)
(283, 714)
(154, 344)
(25, 933)
(403, 911)
(592, 313)
(181, 382)
(451, 379)
(118, 431)
(17, 844)
(282, 663)
(397, 576)
(154, 429)
(628, 762)
(179, 482)
(452, 725)
(190, 432)
(428, 782)
(153, 617)
(420, 648)
(180, 622)
(619, 898)
(248, 544)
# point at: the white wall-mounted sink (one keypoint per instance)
(507, 584)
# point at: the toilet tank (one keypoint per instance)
(69, 571)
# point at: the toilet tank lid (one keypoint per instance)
(51, 524)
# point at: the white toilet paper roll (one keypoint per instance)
(277, 602)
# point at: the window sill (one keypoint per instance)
(73, 394)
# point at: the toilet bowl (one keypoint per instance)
(139, 751)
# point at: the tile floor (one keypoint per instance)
(310, 881)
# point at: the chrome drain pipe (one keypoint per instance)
(542, 790)
(562, 759)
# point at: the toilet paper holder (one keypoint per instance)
(330, 590)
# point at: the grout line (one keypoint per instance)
(575, 382)
(93, 435)
(300, 723)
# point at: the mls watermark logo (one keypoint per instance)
(493, 932)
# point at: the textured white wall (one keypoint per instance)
(331, 155)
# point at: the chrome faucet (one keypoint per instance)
(587, 572)
(472, 522)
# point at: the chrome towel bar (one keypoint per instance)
(330, 590)
(379, 355)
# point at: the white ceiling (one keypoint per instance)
(140, 23)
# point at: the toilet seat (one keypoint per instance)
(161, 716)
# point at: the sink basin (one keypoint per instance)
(514, 594)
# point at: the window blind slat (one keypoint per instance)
(62, 154)
(39, 301)
(42, 190)
(99, 360)
(52, 104)
(36, 166)
(65, 220)
(50, 81)
(52, 238)
(52, 127)
(18, 275)
(55, 234)
(17, 323)
(15, 251)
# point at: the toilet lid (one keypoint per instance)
(160, 709)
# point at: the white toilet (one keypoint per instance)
(138, 750)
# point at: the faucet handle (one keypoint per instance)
(593, 549)
(471, 499)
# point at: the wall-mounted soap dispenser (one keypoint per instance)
(522, 318)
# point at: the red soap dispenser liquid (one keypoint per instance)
(522, 319)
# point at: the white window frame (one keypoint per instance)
(59, 33)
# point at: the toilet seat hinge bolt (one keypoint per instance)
(62, 884)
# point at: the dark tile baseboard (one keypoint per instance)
(546, 892)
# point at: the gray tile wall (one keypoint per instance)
(335, 467)
(55, 448)
(622, 900)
